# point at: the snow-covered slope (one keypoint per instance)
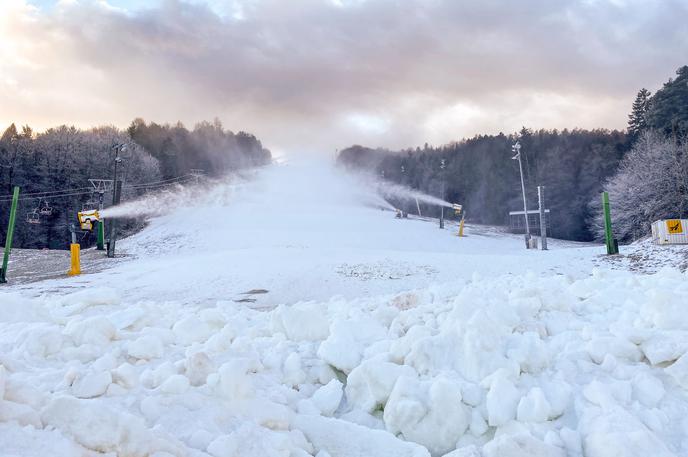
(306, 231)
(286, 315)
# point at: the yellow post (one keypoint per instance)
(75, 249)
(461, 226)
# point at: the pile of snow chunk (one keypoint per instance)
(511, 366)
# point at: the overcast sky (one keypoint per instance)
(323, 74)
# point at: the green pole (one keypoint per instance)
(10, 234)
(100, 240)
(608, 235)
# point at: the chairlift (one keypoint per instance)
(33, 217)
(46, 210)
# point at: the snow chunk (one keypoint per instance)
(43, 340)
(293, 374)
(328, 397)
(620, 348)
(197, 367)
(468, 451)
(648, 389)
(97, 330)
(534, 407)
(92, 384)
(234, 381)
(192, 330)
(619, 433)
(223, 446)
(301, 321)
(520, 445)
(679, 371)
(125, 375)
(93, 296)
(175, 384)
(369, 385)
(427, 412)
(665, 346)
(348, 339)
(502, 401)
(343, 439)
(98, 427)
(146, 347)
(19, 412)
(250, 440)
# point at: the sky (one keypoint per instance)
(320, 75)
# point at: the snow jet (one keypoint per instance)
(177, 196)
(391, 190)
(299, 185)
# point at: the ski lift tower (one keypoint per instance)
(100, 186)
(116, 195)
(517, 149)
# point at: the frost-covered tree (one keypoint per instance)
(651, 184)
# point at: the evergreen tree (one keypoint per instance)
(637, 120)
(668, 110)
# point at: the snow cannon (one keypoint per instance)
(457, 208)
(88, 219)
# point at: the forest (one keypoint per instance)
(53, 169)
(644, 169)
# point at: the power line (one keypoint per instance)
(55, 194)
(55, 197)
(46, 192)
(150, 186)
(178, 178)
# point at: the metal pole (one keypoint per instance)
(443, 177)
(116, 189)
(543, 221)
(10, 235)
(100, 234)
(517, 147)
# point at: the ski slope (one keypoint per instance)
(287, 314)
(304, 231)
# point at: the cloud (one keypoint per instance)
(322, 74)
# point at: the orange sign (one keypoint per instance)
(674, 226)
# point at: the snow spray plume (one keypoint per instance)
(391, 190)
(162, 202)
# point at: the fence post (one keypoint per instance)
(10, 235)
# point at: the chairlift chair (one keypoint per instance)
(33, 217)
(46, 210)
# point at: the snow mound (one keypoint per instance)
(507, 366)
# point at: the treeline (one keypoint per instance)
(479, 173)
(573, 165)
(207, 147)
(53, 169)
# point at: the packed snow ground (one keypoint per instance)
(368, 336)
